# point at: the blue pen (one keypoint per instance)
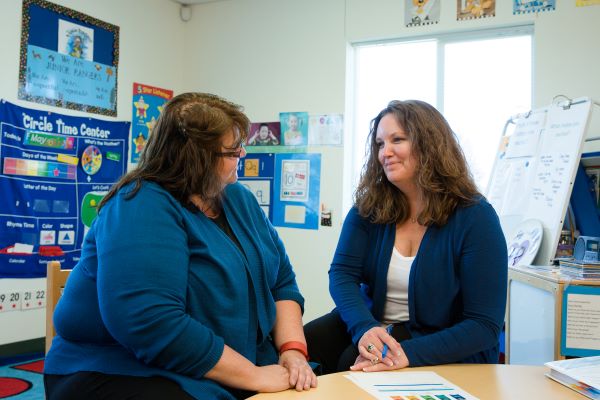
(385, 347)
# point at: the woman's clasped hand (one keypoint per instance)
(371, 347)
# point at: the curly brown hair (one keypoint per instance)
(182, 153)
(442, 173)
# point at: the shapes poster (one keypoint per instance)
(54, 170)
(68, 59)
(148, 102)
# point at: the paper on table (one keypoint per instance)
(400, 385)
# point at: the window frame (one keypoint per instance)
(441, 39)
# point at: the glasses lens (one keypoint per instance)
(237, 153)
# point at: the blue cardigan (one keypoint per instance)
(160, 289)
(456, 291)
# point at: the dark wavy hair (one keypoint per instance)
(182, 152)
(441, 173)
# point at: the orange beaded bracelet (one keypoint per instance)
(298, 346)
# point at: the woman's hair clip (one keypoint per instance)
(182, 129)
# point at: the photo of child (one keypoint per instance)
(264, 134)
(296, 128)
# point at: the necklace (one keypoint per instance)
(210, 213)
(207, 210)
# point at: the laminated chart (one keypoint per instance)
(54, 171)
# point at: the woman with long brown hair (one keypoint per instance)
(419, 274)
(184, 289)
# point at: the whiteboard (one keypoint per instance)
(535, 169)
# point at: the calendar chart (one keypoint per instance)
(54, 171)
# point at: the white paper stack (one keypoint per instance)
(579, 374)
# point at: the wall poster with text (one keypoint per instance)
(256, 171)
(297, 187)
(148, 102)
(68, 59)
(54, 171)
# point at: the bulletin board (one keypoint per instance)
(286, 186)
(297, 187)
(68, 59)
(55, 169)
(535, 169)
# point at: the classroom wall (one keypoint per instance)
(286, 55)
(272, 56)
(152, 40)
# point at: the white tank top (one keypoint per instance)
(396, 302)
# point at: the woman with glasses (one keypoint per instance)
(184, 289)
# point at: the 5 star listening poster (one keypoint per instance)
(148, 102)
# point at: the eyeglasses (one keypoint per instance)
(237, 153)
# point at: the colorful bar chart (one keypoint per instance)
(46, 169)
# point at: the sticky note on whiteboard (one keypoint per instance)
(295, 214)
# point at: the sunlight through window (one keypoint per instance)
(477, 80)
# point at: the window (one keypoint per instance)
(477, 80)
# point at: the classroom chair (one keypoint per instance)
(56, 279)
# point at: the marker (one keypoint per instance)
(385, 347)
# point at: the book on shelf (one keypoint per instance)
(579, 269)
(578, 263)
(580, 273)
(580, 374)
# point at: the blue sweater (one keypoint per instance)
(456, 289)
(160, 289)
